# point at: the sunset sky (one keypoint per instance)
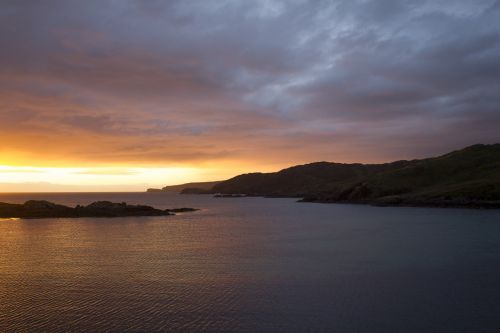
(125, 95)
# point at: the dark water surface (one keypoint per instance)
(251, 265)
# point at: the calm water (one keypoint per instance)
(251, 265)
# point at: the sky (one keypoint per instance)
(123, 95)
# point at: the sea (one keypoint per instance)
(250, 265)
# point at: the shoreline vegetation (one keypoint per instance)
(466, 178)
(44, 209)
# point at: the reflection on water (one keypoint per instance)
(251, 264)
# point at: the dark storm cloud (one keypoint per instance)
(335, 80)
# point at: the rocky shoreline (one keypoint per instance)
(46, 209)
(452, 203)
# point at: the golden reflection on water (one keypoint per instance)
(110, 268)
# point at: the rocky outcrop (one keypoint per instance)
(46, 209)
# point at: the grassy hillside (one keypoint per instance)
(465, 177)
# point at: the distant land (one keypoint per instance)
(464, 178)
(197, 187)
(46, 209)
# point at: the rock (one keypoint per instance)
(182, 210)
(46, 209)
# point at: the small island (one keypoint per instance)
(44, 209)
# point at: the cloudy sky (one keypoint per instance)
(137, 93)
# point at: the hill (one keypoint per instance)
(467, 177)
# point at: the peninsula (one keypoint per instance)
(188, 188)
(46, 209)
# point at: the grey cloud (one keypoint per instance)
(407, 71)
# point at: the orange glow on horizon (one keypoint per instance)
(14, 178)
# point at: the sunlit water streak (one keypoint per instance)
(251, 264)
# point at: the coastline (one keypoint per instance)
(388, 202)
